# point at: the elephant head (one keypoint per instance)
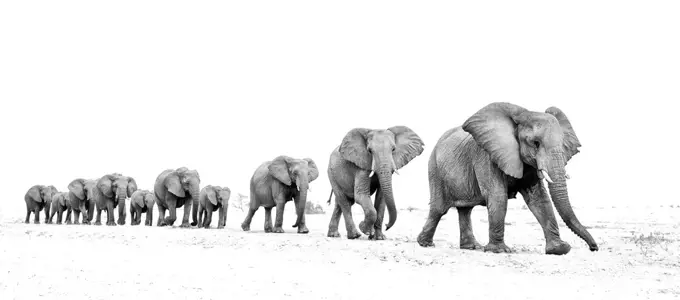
(517, 139)
(218, 195)
(117, 186)
(295, 173)
(82, 188)
(43, 194)
(183, 180)
(382, 152)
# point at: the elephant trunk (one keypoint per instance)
(301, 202)
(560, 197)
(384, 166)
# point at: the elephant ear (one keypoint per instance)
(354, 147)
(138, 199)
(570, 141)
(132, 186)
(278, 168)
(210, 193)
(173, 185)
(104, 185)
(408, 145)
(493, 127)
(313, 169)
(34, 193)
(76, 187)
(62, 198)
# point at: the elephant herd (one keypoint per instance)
(501, 150)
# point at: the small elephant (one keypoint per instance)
(211, 199)
(37, 198)
(174, 189)
(276, 182)
(61, 203)
(81, 194)
(110, 192)
(501, 150)
(362, 165)
(141, 201)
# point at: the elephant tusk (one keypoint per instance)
(396, 172)
(567, 176)
(309, 189)
(546, 176)
(297, 188)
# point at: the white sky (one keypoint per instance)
(89, 88)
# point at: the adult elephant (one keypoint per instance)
(276, 182)
(362, 165)
(110, 192)
(37, 198)
(61, 203)
(211, 199)
(81, 194)
(141, 201)
(501, 150)
(174, 189)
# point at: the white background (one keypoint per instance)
(136, 87)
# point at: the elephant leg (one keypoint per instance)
(467, 237)
(36, 212)
(268, 219)
(497, 206)
(302, 227)
(59, 211)
(161, 216)
(536, 198)
(48, 220)
(76, 217)
(380, 214)
(149, 217)
(98, 221)
(207, 219)
(370, 214)
(172, 210)
(223, 216)
(68, 215)
(249, 218)
(90, 213)
(110, 214)
(199, 214)
(28, 214)
(51, 217)
(335, 221)
(278, 223)
(427, 233)
(346, 207)
(187, 213)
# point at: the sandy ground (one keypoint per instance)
(126, 262)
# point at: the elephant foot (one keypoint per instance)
(220, 226)
(185, 225)
(36, 222)
(557, 247)
(365, 228)
(110, 224)
(147, 224)
(121, 222)
(98, 223)
(268, 229)
(470, 244)
(333, 233)
(353, 234)
(68, 222)
(303, 229)
(497, 248)
(378, 236)
(58, 223)
(278, 230)
(194, 223)
(245, 227)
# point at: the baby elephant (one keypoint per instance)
(60, 203)
(141, 202)
(209, 200)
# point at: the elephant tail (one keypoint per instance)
(329, 197)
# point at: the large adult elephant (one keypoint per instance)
(61, 203)
(501, 150)
(141, 201)
(174, 189)
(362, 165)
(37, 198)
(110, 192)
(276, 182)
(211, 199)
(81, 194)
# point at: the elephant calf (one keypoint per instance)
(61, 203)
(276, 182)
(209, 200)
(141, 201)
(37, 198)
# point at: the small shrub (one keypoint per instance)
(313, 208)
(648, 243)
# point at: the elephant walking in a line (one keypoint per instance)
(500, 151)
(141, 201)
(174, 189)
(37, 198)
(362, 165)
(110, 192)
(211, 199)
(81, 194)
(61, 203)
